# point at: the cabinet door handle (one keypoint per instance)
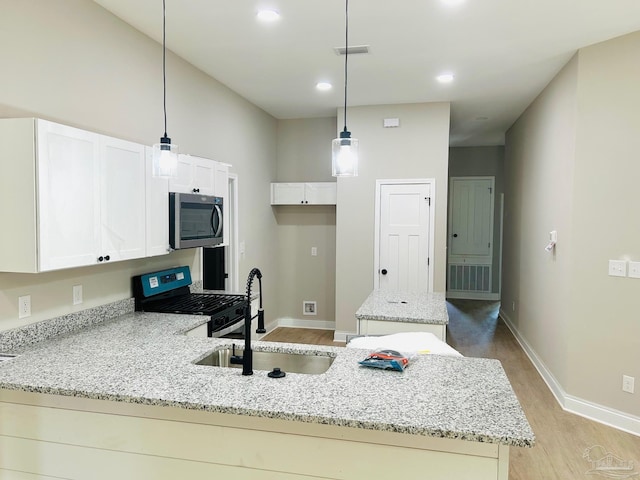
(107, 258)
(383, 271)
(101, 258)
(455, 235)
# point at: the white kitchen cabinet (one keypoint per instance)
(67, 190)
(309, 193)
(122, 199)
(379, 327)
(221, 180)
(76, 197)
(195, 175)
(157, 210)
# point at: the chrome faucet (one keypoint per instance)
(247, 356)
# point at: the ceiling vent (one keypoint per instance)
(353, 50)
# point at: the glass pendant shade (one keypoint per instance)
(165, 158)
(344, 156)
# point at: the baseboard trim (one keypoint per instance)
(473, 295)
(578, 406)
(341, 335)
(304, 323)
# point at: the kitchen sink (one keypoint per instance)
(309, 363)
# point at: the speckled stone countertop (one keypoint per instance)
(146, 358)
(407, 307)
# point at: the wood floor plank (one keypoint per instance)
(561, 437)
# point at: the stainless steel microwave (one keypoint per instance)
(195, 220)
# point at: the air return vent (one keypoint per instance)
(353, 49)
(470, 278)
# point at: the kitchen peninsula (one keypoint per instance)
(125, 399)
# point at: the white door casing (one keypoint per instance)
(404, 229)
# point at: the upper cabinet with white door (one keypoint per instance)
(195, 175)
(310, 193)
(73, 197)
(157, 206)
(122, 199)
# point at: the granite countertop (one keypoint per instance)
(406, 307)
(146, 358)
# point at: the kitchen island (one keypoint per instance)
(385, 312)
(125, 399)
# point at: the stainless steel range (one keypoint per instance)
(167, 291)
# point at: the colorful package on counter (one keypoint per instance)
(386, 359)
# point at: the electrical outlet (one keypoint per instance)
(617, 268)
(24, 306)
(628, 383)
(77, 294)
(513, 306)
(314, 251)
(634, 269)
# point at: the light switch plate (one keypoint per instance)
(628, 384)
(634, 269)
(617, 268)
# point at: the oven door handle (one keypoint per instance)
(216, 212)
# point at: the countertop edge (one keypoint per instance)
(321, 420)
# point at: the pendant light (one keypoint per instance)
(344, 150)
(165, 154)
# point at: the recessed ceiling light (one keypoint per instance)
(324, 86)
(445, 77)
(268, 15)
(453, 3)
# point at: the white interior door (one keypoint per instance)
(405, 215)
(470, 257)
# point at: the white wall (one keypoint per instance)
(72, 61)
(417, 149)
(572, 165)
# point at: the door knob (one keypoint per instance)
(383, 271)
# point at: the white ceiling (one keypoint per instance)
(502, 52)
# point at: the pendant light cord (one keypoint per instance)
(164, 64)
(346, 57)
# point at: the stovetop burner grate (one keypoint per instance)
(196, 303)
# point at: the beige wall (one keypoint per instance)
(539, 169)
(571, 165)
(417, 149)
(304, 154)
(73, 62)
(304, 149)
(605, 335)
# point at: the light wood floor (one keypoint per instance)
(561, 437)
